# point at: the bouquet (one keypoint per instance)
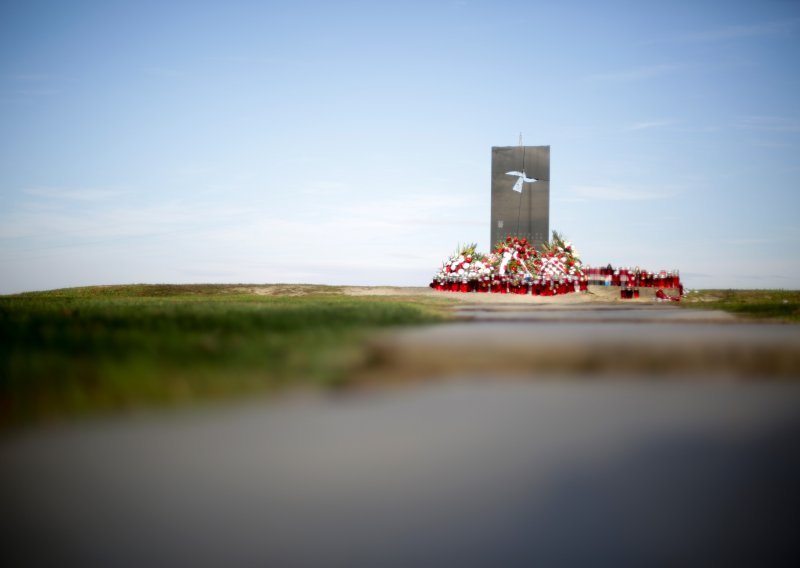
(513, 264)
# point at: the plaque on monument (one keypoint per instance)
(520, 193)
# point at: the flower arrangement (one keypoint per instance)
(466, 268)
(559, 259)
(513, 258)
(514, 266)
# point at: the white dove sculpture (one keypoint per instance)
(521, 178)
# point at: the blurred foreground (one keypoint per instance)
(473, 472)
(611, 435)
(105, 349)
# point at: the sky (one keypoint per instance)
(349, 142)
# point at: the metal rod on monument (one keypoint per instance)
(519, 208)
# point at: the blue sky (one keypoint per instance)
(349, 142)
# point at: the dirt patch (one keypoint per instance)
(642, 348)
(595, 295)
(391, 291)
(288, 290)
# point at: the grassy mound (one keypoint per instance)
(84, 350)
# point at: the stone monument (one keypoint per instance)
(520, 193)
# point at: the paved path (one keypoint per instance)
(611, 466)
(611, 341)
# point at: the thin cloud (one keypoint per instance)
(108, 221)
(38, 92)
(33, 77)
(163, 72)
(73, 194)
(733, 32)
(650, 124)
(28, 85)
(760, 277)
(637, 73)
(612, 193)
(744, 242)
(770, 123)
(321, 188)
(411, 209)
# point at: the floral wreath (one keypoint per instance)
(514, 257)
(558, 259)
(513, 260)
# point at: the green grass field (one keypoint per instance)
(87, 350)
(775, 305)
(84, 351)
